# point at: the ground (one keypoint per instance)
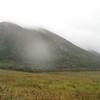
(16, 85)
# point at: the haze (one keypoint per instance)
(76, 20)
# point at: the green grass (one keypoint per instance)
(16, 85)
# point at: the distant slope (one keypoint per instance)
(94, 52)
(41, 50)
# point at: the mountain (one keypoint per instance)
(94, 52)
(37, 50)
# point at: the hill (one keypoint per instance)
(94, 52)
(37, 50)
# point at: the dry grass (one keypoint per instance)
(16, 85)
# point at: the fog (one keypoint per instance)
(76, 20)
(37, 51)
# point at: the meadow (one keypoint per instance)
(15, 85)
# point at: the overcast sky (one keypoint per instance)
(76, 20)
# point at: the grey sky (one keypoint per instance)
(76, 20)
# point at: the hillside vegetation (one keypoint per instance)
(39, 50)
(16, 85)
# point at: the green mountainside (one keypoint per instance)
(38, 50)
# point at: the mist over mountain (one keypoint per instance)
(94, 52)
(41, 50)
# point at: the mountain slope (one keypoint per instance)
(41, 50)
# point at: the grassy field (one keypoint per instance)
(16, 85)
